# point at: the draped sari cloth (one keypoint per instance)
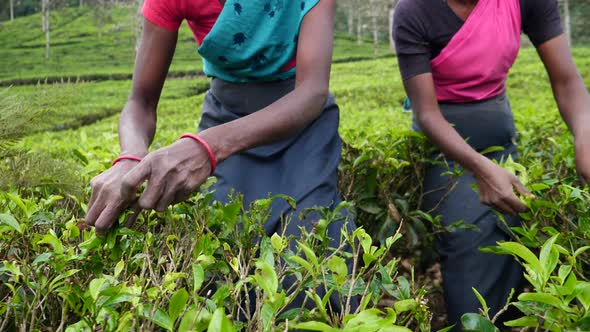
(475, 63)
(469, 76)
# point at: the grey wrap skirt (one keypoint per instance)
(482, 124)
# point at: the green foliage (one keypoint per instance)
(191, 267)
(195, 267)
(19, 168)
(89, 44)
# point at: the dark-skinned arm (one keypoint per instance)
(572, 97)
(297, 109)
(179, 169)
(496, 185)
(137, 124)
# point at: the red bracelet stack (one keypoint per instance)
(126, 157)
(201, 141)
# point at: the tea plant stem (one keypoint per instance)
(64, 314)
(443, 198)
(353, 281)
(33, 310)
(5, 321)
(505, 308)
(327, 291)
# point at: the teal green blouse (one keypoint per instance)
(255, 40)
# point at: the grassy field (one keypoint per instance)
(78, 52)
(163, 276)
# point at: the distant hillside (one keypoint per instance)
(78, 51)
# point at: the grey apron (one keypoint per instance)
(482, 124)
(304, 166)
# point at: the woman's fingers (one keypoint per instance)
(167, 197)
(134, 178)
(515, 204)
(152, 194)
(136, 210)
(95, 209)
(504, 208)
(93, 196)
(108, 217)
(520, 188)
(182, 195)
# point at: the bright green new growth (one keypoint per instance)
(161, 274)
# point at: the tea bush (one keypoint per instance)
(207, 266)
(195, 267)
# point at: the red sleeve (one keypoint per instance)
(163, 13)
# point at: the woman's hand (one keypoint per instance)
(582, 147)
(106, 202)
(496, 188)
(173, 173)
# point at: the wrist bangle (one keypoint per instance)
(201, 141)
(126, 157)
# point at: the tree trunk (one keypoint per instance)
(46, 26)
(99, 12)
(391, 37)
(350, 17)
(567, 19)
(374, 12)
(359, 26)
(138, 25)
(81, 3)
(11, 10)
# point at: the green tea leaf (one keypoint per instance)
(159, 317)
(492, 149)
(549, 256)
(311, 256)
(541, 298)
(277, 243)
(177, 303)
(220, 322)
(53, 241)
(80, 156)
(523, 252)
(198, 277)
(583, 291)
(447, 329)
(119, 268)
(266, 278)
(19, 202)
(477, 323)
(528, 321)
(315, 326)
(337, 265)
(189, 320)
(305, 264)
(10, 221)
(95, 286)
(405, 305)
(481, 300)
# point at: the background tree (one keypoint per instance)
(45, 8)
(102, 14)
(137, 23)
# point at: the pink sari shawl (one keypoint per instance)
(475, 63)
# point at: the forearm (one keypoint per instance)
(451, 144)
(574, 104)
(137, 127)
(283, 118)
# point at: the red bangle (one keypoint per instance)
(201, 141)
(125, 157)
